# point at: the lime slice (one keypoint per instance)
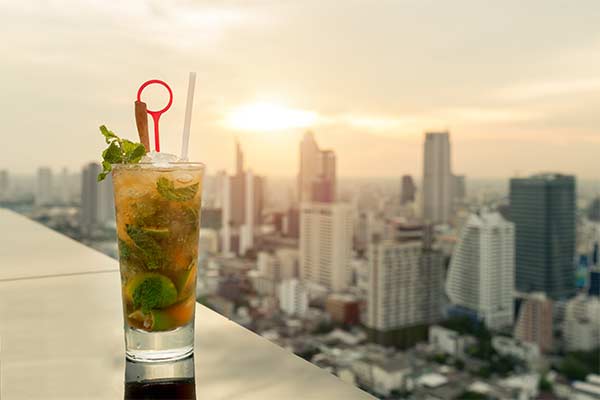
(186, 283)
(149, 290)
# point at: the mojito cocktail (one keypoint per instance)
(158, 222)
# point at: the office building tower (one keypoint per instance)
(542, 208)
(291, 223)
(244, 200)
(326, 244)
(226, 222)
(459, 190)
(408, 190)
(317, 176)
(481, 274)
(293, 297)
(581, 325)
(343, 308)
(97, 200)
(593, 212)
(535, 321)
(437, 178)
(44, 189)
(238, 189)
(64, 187)
(4, 185)
(404, 292)
(594, 282)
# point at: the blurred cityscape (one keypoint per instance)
(429, 287)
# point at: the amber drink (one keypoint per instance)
(158, 222)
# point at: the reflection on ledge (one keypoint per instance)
(173, 380)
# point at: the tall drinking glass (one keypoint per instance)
(158, 221)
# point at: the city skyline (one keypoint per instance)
(369, 89)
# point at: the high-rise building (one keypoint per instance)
(4, 184)
(535, 321)
(244, 199)
(226, 222)
(326, 244)
(97, 200)
(64, 187)
(405, 291)
(593, 211)
(459, 190)
(44, 189)
(408, 190)
(542, 208)
(594, 282)
(481, 275)
(293, 297)
(581, 326)
(317, 176)
(437, 178)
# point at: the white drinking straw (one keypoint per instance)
(188, 117)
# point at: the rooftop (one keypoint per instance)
(62, 330)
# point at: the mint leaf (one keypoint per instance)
(112, 154)
(147, 244)
(136, 154)
(119, 151)
(108, 135)
(167, 189)
(153, 291)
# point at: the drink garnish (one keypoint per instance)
(168, 190)
(119, 151)
(152, 252)
(150, 291)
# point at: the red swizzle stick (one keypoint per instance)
(156, 114)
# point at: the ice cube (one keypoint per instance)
(136, 192)
(160, 159)
(184, 177)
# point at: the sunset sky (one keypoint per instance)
(516, 83)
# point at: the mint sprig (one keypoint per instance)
(167, 189)
(119, 151)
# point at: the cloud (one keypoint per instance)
(538, 90)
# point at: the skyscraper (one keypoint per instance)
(404, 290)
(44, 189)
(535, 321)
(581, 325)
(293, 297)
(326, 244)
(4, 184)
(481, 274)
(97, 200)
(244, 199)
(317, 176)
(437, 178)
(459, 190)
(408, 190)
(542, 208)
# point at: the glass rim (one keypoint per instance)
(164, 165)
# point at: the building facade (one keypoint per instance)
(581, 325)
(97, 200)
(408, 190)
(481, 274)
(437, 178)
(404, 291)
(326, 244)
(542, 207)
(44, 187)
(317, 175)
(293, 297)
(535, 321)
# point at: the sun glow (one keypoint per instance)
(268, 117)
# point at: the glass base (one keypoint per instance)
(142, 346)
